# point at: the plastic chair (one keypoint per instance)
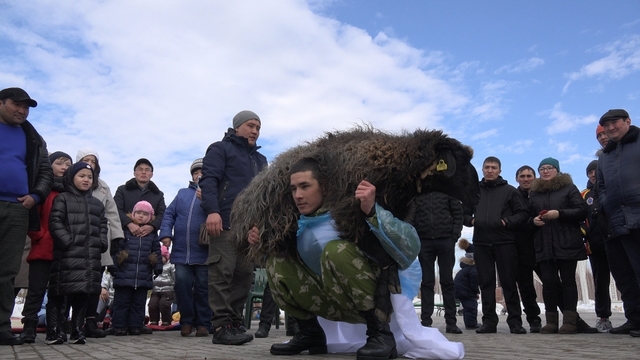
(255, 295)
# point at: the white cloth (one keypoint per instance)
(413, 340)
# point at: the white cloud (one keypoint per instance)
(621, 58)
(485, 134)
(164, 81)
(562, 122)
(523, 65)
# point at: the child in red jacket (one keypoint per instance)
(41, 253)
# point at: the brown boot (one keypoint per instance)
(552, 323)
(569, 319)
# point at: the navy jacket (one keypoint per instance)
(181, 223)
(227, 168)
(618, 182)
(466, 280)
(143, 257)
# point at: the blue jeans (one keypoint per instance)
(192, 295)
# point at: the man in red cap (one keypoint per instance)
(25, 181)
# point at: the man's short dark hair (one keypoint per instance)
(306, 164)
(492, 159)
(523, 168)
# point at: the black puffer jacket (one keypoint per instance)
(130, 193)
(560, 238)
(39, 171)
(436, 215)
(79, 230)
(499, 202)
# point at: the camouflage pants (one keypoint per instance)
(345, 288)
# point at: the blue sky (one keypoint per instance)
(518, 80)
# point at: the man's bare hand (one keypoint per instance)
(199, 194)
(254, 236)
(27, 201)
(134, 229)
(214, 224)
(146, 230)
(366, 193)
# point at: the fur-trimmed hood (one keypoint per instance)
(558, 182)
(467, 261)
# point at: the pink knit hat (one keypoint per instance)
(143, 206)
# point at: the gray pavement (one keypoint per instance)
(503, 345)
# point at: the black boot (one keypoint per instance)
(53, 326)
(381, 345)
(29, 331)
(77, 324)
(310, 337)
(292, 326)
(263, 330)
(91, 329)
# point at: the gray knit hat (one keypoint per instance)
(195, 165)
(244, 116)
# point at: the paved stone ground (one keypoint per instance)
(503, 345)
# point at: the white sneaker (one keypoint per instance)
(603, 325)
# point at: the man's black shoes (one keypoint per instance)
(452, 329)
(487, 329)
(7, 338)
(625, 328)
(518, 329)
(227, 335)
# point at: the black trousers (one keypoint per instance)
(623, 253)
(504, 258)
(38, 280)
(602, 281)
(528, 292)
(444, 250)
(549, 271)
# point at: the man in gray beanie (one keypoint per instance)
(227, 168)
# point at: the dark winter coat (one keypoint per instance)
(618, 182)
(596, 226)
(524, 237)
(560, 238)
(466, 280)
(41, 240)
(499, 202)
(79, 229)
(140, 257)
(228, 167)
(39, 171)
(130, 193)
(181, 223)
(436, 215)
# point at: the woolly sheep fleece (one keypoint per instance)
(399, 165)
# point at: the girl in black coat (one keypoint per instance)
(557, 210)
(79, 229)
